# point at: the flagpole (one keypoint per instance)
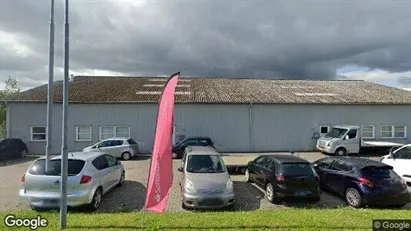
(50, 97)
(64, 150)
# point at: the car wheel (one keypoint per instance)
(341, 152)
(247, 176)
(122, 178)
(353, 198)
(96, 201)
(23, 153)
(270, 194)
(174, 155)
(126, 156)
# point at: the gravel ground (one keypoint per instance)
(131, 196)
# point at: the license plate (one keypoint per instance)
(302, 193)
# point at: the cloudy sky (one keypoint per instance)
(367, 40)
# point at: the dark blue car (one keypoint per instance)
(362, 181)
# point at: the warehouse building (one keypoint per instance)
(240, 115)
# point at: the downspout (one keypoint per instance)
(7, 121)
(250, 120)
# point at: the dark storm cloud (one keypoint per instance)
(251, 39)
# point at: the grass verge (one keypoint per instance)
(286, 219)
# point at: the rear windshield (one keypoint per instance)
(39, 167)
(378, 172)
(296, 169)
(131, 141)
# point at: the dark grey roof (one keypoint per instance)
(286, 158)
(361, 162)
(112, 89)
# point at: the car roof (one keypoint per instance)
(360, 162)
(201, 150)
(116, 138)
(81, 155)
(286, 159)
(347, 126)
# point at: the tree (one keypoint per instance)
(11, 87)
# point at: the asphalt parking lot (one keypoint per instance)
(131, 196)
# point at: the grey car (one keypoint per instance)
(119, 147)
(89, 178)
(205, 182)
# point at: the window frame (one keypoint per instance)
(77, 133)
(324, 125)
(373, 131)
(36, 133)
(393, 132)
(114, 133)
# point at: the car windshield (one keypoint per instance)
(336, 133)
(205, 164)
(378, 172)
(297, 169)
(404, 153)
(39, 167)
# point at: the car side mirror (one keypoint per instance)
(180, 169)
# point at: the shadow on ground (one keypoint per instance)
(127, 198)
(15, 161)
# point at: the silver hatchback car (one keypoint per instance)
(119, 147)
(89, 178)
(205, 181)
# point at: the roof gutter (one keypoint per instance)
(250, 122)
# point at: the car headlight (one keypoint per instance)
(189, 187)
(229, 186)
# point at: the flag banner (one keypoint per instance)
(160, 179)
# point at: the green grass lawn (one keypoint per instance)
(286, 219)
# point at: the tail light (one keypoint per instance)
(366, 182)
(280, 179)
(85, 179)
(23, 178)
(404, 183)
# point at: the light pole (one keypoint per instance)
(50, 87)
(64, 150)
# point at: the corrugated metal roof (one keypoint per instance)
(114, 89)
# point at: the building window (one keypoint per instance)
(368, 131)
(114, 131)
(324, 129)
(394, 132)
(83, 133)
(38, 133)
(400, 132)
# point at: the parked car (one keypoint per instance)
(362, 181)
(400, 160)
(205, 182)
(89, 178)
(119, 147)
(12, 148)
(179, 147)
(284, 177)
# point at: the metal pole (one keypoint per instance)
(64, 150)
(50, 86)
